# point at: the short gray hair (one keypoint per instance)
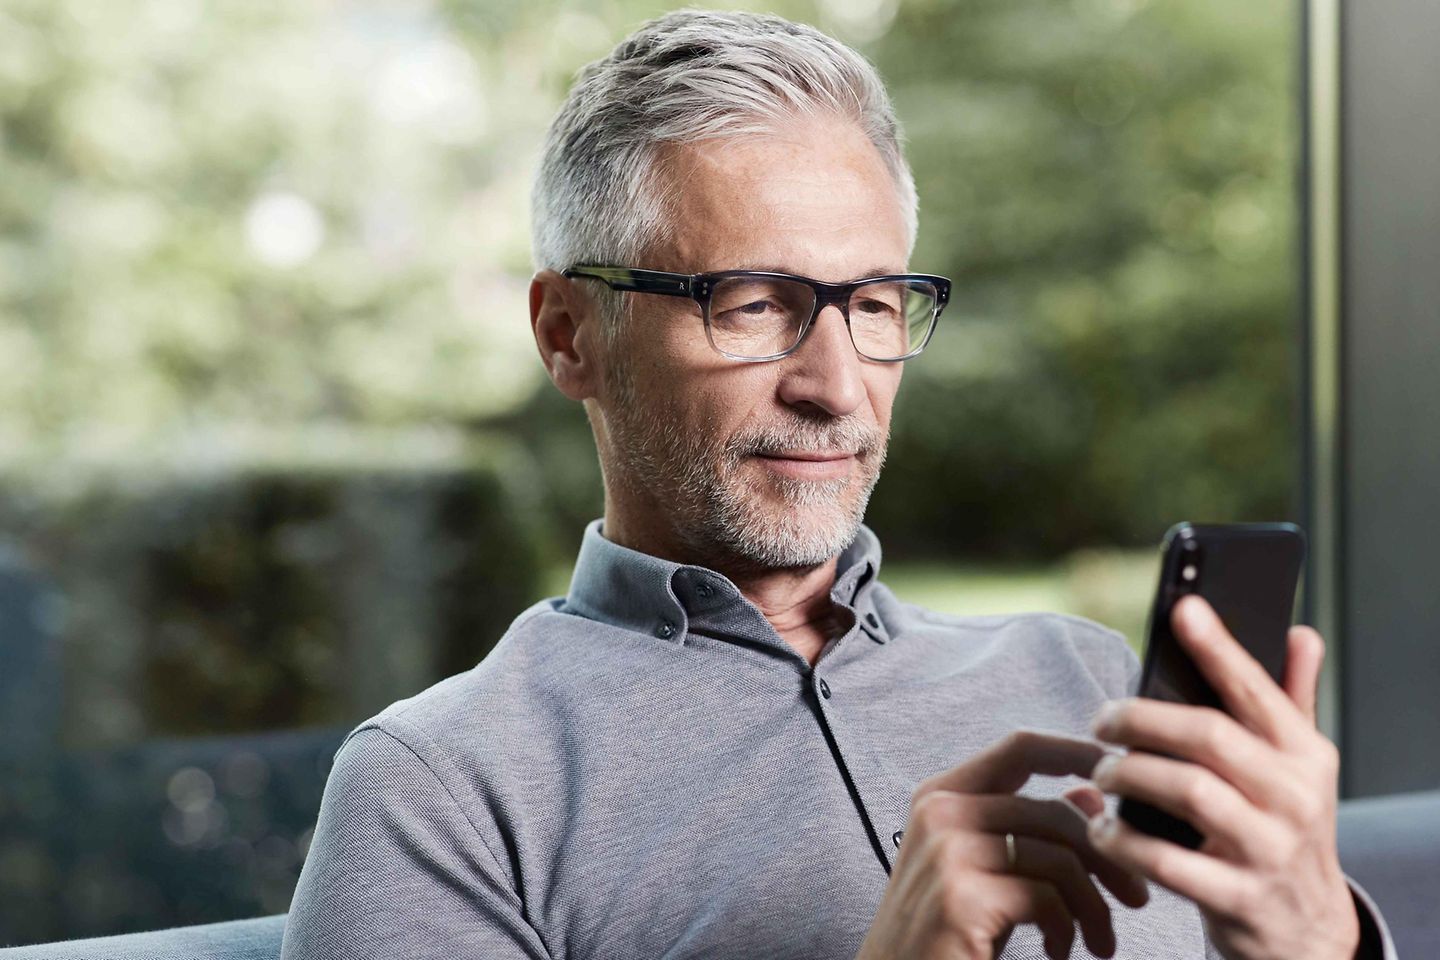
(684, 77)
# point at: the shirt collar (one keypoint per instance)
(637, 591)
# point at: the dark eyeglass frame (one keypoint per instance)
(700, 286)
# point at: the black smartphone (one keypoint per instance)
(1249, 573)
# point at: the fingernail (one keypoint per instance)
(1101, 774)
(1105, 718)
(1102, 827)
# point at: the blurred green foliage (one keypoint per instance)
(1110, 184)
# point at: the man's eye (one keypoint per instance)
(873, 308)
(751, 312)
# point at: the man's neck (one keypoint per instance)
(795, 601)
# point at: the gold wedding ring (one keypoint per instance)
(1010, 857)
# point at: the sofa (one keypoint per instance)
(1389, 845)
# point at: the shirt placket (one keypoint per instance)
(870, 782)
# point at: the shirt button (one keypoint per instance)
(666, 630)
(704, 590)
(899, 835)
(824, 689)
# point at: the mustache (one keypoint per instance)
(844, 434)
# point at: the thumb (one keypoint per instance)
(1302, 668)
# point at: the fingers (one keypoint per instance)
(1229, 822)
(1209, 738)
(1004, 766)
(1021, 899)
(976, 799)
(1049, 820)
(1247, 690)
(1306, 655)
(1060, 867)
(1205, 879)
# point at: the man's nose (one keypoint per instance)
(825, 371)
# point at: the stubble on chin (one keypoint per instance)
(723, 508)
(770, 521)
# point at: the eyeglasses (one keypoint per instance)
(753, 315)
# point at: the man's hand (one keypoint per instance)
(1260, 786)
(954, 895)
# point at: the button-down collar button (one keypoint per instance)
(899, 835)
(666, 630)
(871, 619)
(704, 589)
(824, 689)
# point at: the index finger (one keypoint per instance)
(1004, 766)
(1248, 691)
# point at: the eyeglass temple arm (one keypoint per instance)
(640, 281)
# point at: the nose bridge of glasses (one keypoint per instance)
(842, 295)
(810, 334)
(831, 296)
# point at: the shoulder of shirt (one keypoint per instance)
(1083, 627)
(1103, 650)
(424, 721)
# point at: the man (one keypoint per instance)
(729, 738)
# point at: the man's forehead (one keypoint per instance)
(779, 160)
(780, 203)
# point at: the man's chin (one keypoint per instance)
(780, 533)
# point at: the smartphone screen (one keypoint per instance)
(1249, 573)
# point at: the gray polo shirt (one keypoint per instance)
(644, 768)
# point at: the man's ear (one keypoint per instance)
(564, 325)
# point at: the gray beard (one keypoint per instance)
(716, 516)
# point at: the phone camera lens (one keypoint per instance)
(1187, 571)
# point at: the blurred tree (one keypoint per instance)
(264, 213)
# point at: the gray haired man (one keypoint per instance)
(729, 739)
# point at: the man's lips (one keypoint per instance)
(809, 464)
(812, 455)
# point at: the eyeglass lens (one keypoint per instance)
(760, 317)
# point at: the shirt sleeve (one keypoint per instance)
(1375, 940)
(397, 870)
